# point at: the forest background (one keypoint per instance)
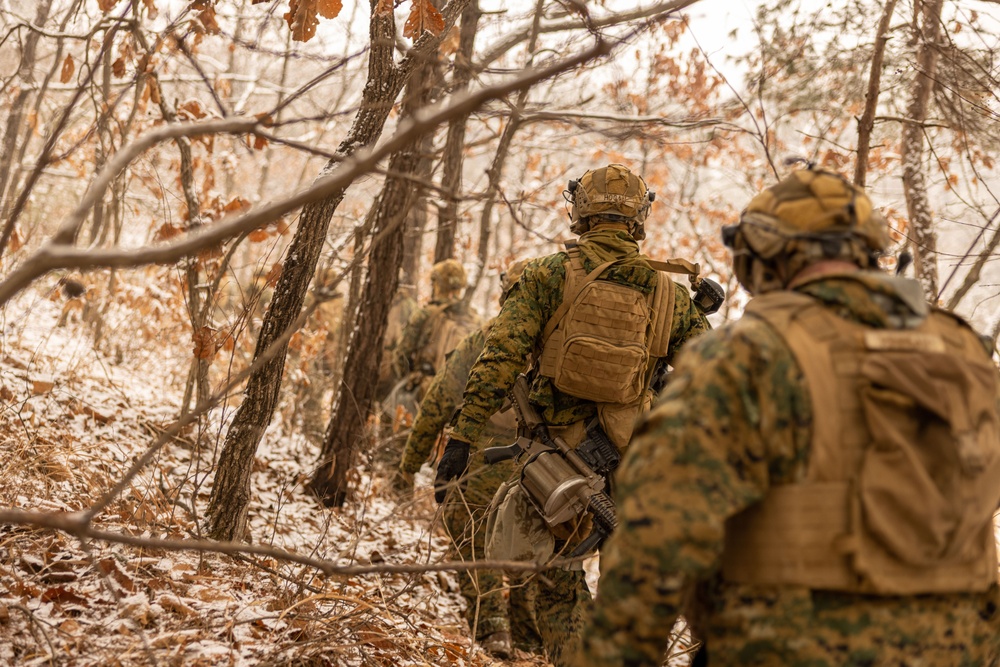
(206, 209)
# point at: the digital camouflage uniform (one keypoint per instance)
(734, 420)
(465, 510)
(561, 602)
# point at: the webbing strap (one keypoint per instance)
(676, 265)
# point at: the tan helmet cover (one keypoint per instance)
(815, 201)
(447, 277)
(612, 191)
(809, 215)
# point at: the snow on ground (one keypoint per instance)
(75, 418)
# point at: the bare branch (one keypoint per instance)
(55, 255)
(77, 525)
(867, 121)
(658, 10)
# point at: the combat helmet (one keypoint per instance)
(809, 216)
(447, 279)
(609, 194)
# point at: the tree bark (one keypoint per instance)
(922, 237)
(867, 121)
(356, 392)
(356, 389)
(20, 103)
(230, 498)
(454, 148)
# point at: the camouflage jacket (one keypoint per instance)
(443, 397)
(735, 419)
(530, 304)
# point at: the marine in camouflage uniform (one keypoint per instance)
(734, 427)
(561, 602)
(447, 285)
(487, 609)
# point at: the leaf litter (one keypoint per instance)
(75, 416)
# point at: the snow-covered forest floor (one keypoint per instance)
(64, 601)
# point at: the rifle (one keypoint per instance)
(562, 483)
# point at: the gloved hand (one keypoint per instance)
(453, 463)
(402, 481)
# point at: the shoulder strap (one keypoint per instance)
(675, 266)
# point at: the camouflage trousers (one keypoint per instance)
(558, 600)
(488, 609)
(795, 627)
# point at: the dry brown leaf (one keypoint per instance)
(151, 10)
(175, 604)
(259, 142)
(118, 68)
(192, 109)
(204, 343)
(106, 5)
(329, 9)
(109, 566)
(68, 67)
(273, 275)
(449, 45)
(238, 205)
(206, 16)
(424, 17)
(15, 243)
(40, 386)
(258, 235)
(302, 19)
(384, 8)
(167, 231)
(62, 595)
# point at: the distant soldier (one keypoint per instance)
(465, 512)
(435, 329)
(402, 309)
(599, 320)
(816, 485)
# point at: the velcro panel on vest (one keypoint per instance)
(791, 538)
(599, 351)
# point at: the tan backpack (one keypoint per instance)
(904, 465)
(444, 329)
(602, 343)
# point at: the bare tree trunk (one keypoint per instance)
(230, 498)
(923, 238)
(454, 148)
(499, 158)
(413, 237)
(867, 121)
(976, 272)
(356, 390)
(20, 103)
